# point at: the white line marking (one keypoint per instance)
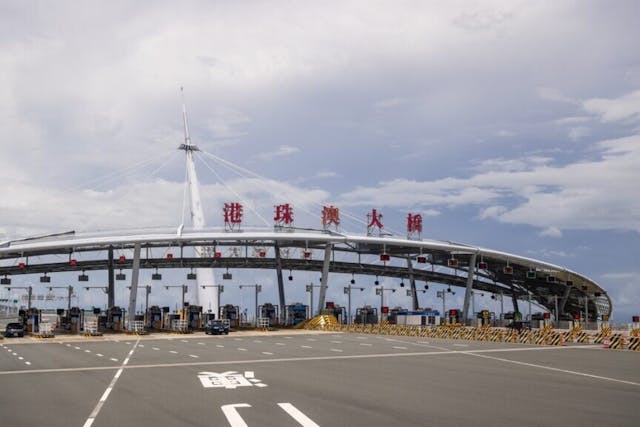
(99, 354)
(232, 415)
(200, 343)
(194, 356)
(68, 345)
(219, 346)
(336, 350)
(336, 342)
(106, 393)
(15, 354)
(20, 358)
(113, 359)
(156, 348)
(361, 338)
(257, 341)
(399, 348)
(242, 349)
(311, 339)
(141, 346)
(238, 339)
(533, 365)
(77, 348)
(366, 343)
(87, 351)
(288, 338)
(267, 353)
(27, 363)
(306, 346)
(184, 340)
(461, 345)
(280, 343)
(295, 413)
(173, 351)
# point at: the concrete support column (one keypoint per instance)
(471, 272)
(325, 276)
(111, 292)
(133, 295)
(412, 281)
(280, 281)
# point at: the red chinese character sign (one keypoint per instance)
(374, 222)
(232, 216)
(414, 226)
(330, 215)
(283, 215)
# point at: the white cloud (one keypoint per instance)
(623, 108)
(578, 132)
(551, 232)
(280, 151)
(594, 195)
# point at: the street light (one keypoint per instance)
(473, 302)
(500, 296)
(184, 291)
(30, 293)
(309, 289)
(258, 289)
(443, 294)
(347, 290)
(424, 291)
(70, 293)
(380, 291)
(220, 289)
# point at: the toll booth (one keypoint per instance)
(393, 314)
(269, 311)
(335, 310)
(208, 317)
(115, 318)
(169, 318)
(154, 317)
(22, 317)
(33, 319)
(231, 313)
(366, 315)
(484, 318)
(61, 319)
(454, 316)
(296, 313)
(76, 319)
(426, 317)
(193, 315)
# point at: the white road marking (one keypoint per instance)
(311, 339)
(219, 346)
(194, 356)
(141, 346)
(99, 355)
(242, 349)
(297, 415)
(156, 348)
(68, 345)
(288, 338)
(361, 338)
(200, 343)
(113, 359)
(461, 345)
(336, 350)
(15, 354)
(27, 363)
(566, 371)
(77, 348)
(280, 343)
(232, 415)
(399, 348)
(366, 343)
(20, 358)
(336, 342)
(173, 351)
(257, 341)
(267, 353)
(184, 340)
(87, 351)
(306, 346)
(238, 339)
(106, 393)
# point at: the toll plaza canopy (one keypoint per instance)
(447, 263)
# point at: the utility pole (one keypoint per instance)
(380, 291)
(220, 289)
(347, 290)
(258, 289)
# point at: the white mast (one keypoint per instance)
(206, 297)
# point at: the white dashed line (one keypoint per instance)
(336, 342)
(399, 348)
(219, 346)
(460, 345)
(173, 351)
(366, 343)
(336, 350)
(141, 346)
(27, 363)
(238, 339)
(311, 339)
(280, 343)
(200, 343)
(267, 353)
(20, 358)
(306, 346)
(156, 348)
(242, 349)
(77, 348)
(113, 360)
(257, 341)
(99, 354)
(87, 351)
(184, 340)
(194, 356)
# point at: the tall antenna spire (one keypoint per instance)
(187, 138)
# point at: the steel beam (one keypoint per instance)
(133, 294)
(328, 249)
(468, 293)
(412, 281)
(278, 258)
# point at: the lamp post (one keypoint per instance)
(424, 291)
(29, 293)
(185, 288)
(258, 289)
(310, 290)
(500, 296)
(220, 289)
(69, 294)
(347, 290)
(380, 291)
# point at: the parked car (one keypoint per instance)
(217, 327)
(14, 329)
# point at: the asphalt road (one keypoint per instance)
(302, 378)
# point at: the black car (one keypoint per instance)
(14, 329)
(217, 327)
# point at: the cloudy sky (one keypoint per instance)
(513, 125)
